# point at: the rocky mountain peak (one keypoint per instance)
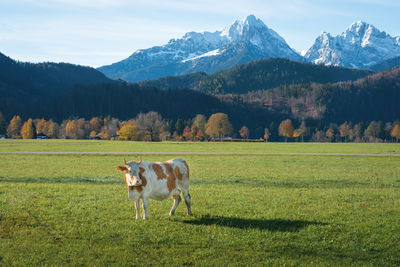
(359, 46)
(242, 41)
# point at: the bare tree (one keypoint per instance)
(150, 124)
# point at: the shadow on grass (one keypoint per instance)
(60, 180)
(278, 225)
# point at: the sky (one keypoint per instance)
(101, 32)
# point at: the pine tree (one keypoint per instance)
(179, 127)
(3, 124)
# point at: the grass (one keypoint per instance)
(248, 210)
(128, 146)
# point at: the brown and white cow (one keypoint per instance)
(157, 180)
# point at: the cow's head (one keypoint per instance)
(131, 172)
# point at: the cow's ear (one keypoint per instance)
(121, 168)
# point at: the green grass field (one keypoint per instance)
(248, 209)
(127, 146)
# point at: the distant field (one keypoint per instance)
(248, 209)
(127, 146)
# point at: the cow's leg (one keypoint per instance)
(145, 204)
(186, 196)
(177, 200)
(137, 206)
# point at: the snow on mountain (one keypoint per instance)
(360, 46)
(242, 41)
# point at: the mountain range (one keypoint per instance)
(361, 45)
(241, 42)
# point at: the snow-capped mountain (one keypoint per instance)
(360, 46)
(242, 41)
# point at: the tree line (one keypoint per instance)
(151, 126)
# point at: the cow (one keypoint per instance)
(157, 180)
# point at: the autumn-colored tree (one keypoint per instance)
(92, 134)
(358, 132)
(218, 125)
(128, 132)
(187, 133)
(296, 134)
(395, 133)
(3, 124)
(95, 124)
(14, 128)
(330, 133)
(109, 129)
(28, 130)
(200, 135)
(200, 122)
(302, 131)
(374, 131)
(345, 131)
(52, 130)
(42, 126)
(286, 129)
(165, 135)
(266, 134)
(244, 132)
(71, 129)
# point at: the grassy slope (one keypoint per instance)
(127, 146)
(294, 210)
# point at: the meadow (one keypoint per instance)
(294, 210)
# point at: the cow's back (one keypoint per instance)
(167, 178)
(179, 170)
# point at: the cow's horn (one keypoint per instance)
(124, 161)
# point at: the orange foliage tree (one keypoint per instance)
(14, 128)
(286, 129)
(28, 130)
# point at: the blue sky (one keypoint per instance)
(100, 32)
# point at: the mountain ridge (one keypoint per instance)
(242, 41)
(257, 75)
(361, 45)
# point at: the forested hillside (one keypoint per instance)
(258, 75)
(386, 64)
(61, 91)
(375, 97)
